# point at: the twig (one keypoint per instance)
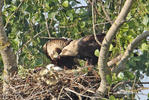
(15, 92)
(31, 39)
(129, 50)
(105, 12)
(67, 89)
(69, 26)
(69, 96)
(13, 13)
(93, 20)
(127, 82)
(60, 93)
(47, 37)
(47, 26)
(114, 60)
(80, 7)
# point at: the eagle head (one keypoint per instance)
(71, 49)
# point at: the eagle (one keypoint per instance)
(83, 48)
(53, 48)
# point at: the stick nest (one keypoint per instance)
(46, 84)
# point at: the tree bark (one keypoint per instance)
(102, 61)
(8, 56)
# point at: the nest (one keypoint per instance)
(61, 85)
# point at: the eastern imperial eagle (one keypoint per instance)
(83, 48)
(53, 48)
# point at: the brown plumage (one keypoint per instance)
(83, 48)
(53, 48)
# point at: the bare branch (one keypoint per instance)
(93, 20)
(47, 26)
(106, 13)
(80, 7)
(102, 61)
(79, 94)
(128, 51)
(114, 60)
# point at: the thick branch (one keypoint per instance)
(131, 46)
(102, 61)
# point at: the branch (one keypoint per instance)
(13, 13)
(114, 60)
(102, 61)
(105, 12)
(128, 51)
(47, 26)
(80, 7)
(93, 20)
(7, 54)
(79, 94)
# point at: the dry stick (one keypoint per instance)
(60, 93)
(15, 92)
(67, 89)
(93, 20)
(85, 88)
(127, 82)
(131, 46)
(69, 96)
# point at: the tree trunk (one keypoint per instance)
(102, 61)
(8, 56)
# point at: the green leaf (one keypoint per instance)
(112, 97)
(65, 3)
(111, 47)
(52, 14)
(144, 46)
(69, 13)
(96, 52)
(82, 24)
(145, 20)
(109, 79)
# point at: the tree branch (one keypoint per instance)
(102, 61)
(114, 60)
(105, 12)
(7, 54)
(93, 22)
(131, 46)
